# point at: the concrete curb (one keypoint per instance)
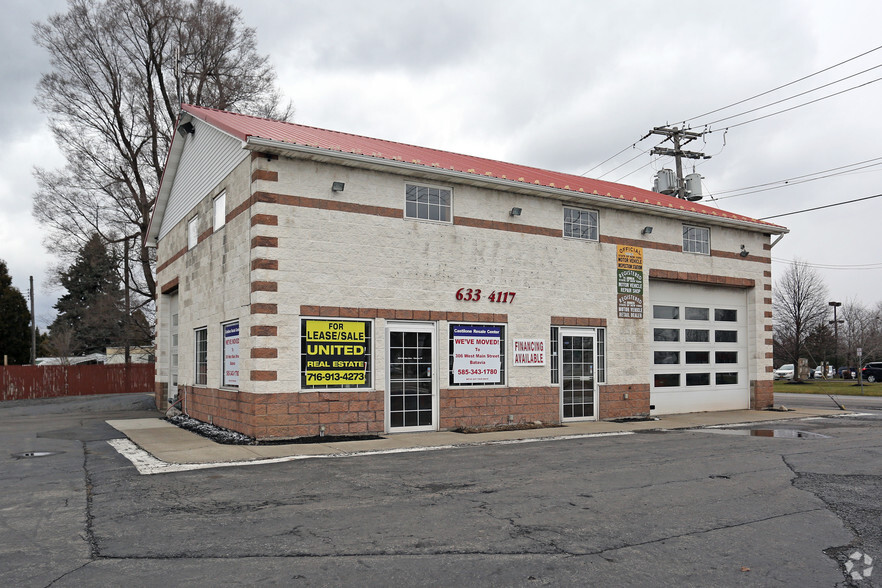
(156, 446)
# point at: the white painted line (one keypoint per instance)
(147, 464)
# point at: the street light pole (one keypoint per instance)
(836, 322)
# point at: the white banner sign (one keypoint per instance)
(477, 354)
(231, 354)
(528, 352)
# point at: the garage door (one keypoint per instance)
(699, 348)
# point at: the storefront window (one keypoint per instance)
(335, 353)
(201, 356)
(477, 355)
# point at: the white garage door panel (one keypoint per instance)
(699, 348)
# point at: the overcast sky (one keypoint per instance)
(561, 85)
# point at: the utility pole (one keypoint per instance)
(836, 322)
(33, 326)
(678, 137)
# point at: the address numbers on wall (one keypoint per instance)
(474, 295)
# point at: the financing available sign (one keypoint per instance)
(528, 352)
(477, 353)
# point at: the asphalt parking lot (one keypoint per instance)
(658, 507)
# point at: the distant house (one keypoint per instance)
(136, 354)
(92, 358)
(316, 281)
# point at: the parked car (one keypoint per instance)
(819, 372)
(872, 372)
(847, 373)
(785, 372)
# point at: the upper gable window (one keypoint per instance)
(427, 203)
(193, 232)
(580, 224)
(220, 210)
(696, 240)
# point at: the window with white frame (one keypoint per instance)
(580, 224)
(600, 344)
(696, 240)
(201, 363)
(428, 203)
(193, 232)
(476, 355)
(220, 210)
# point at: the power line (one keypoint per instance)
(792, 97)
(798, 105)
(822, 207)
(651, 161)
(642, 152)
(631, 146)
(782, 86)
(856, 267)
(793, 181)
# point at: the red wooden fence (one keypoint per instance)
(18, 382)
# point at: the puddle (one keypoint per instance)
(782, 433)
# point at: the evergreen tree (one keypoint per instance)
(15, 332)
(91, 315)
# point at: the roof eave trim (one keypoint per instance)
(169, 171)
(259, 143)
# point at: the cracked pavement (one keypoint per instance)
(657, 508)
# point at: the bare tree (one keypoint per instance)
(861, 331)
(120, 69)
(799, 306)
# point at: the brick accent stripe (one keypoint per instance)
(324, 204)
(264, 330)
(480, 223)
(267, 264)
(169, 286)
(264, 219)
(264, 308)
(264, 286)
(639, 243)
(692, 278)
(239, 210)
(577, 321)
(399, 314)
(264, 353)
(171, 260)
(265, 175)
(261, 241)
(263, 375)
(208, 233)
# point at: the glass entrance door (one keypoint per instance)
(577, 382)
(411, 401)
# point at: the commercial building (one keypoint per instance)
(315, 282)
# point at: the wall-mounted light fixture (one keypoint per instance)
(188, 128)
(338, 186)
(744, 252)
(646, 230)
(514, 211)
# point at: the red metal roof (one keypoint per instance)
(244, 126)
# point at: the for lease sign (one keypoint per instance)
(335, 352)
(477, 354)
